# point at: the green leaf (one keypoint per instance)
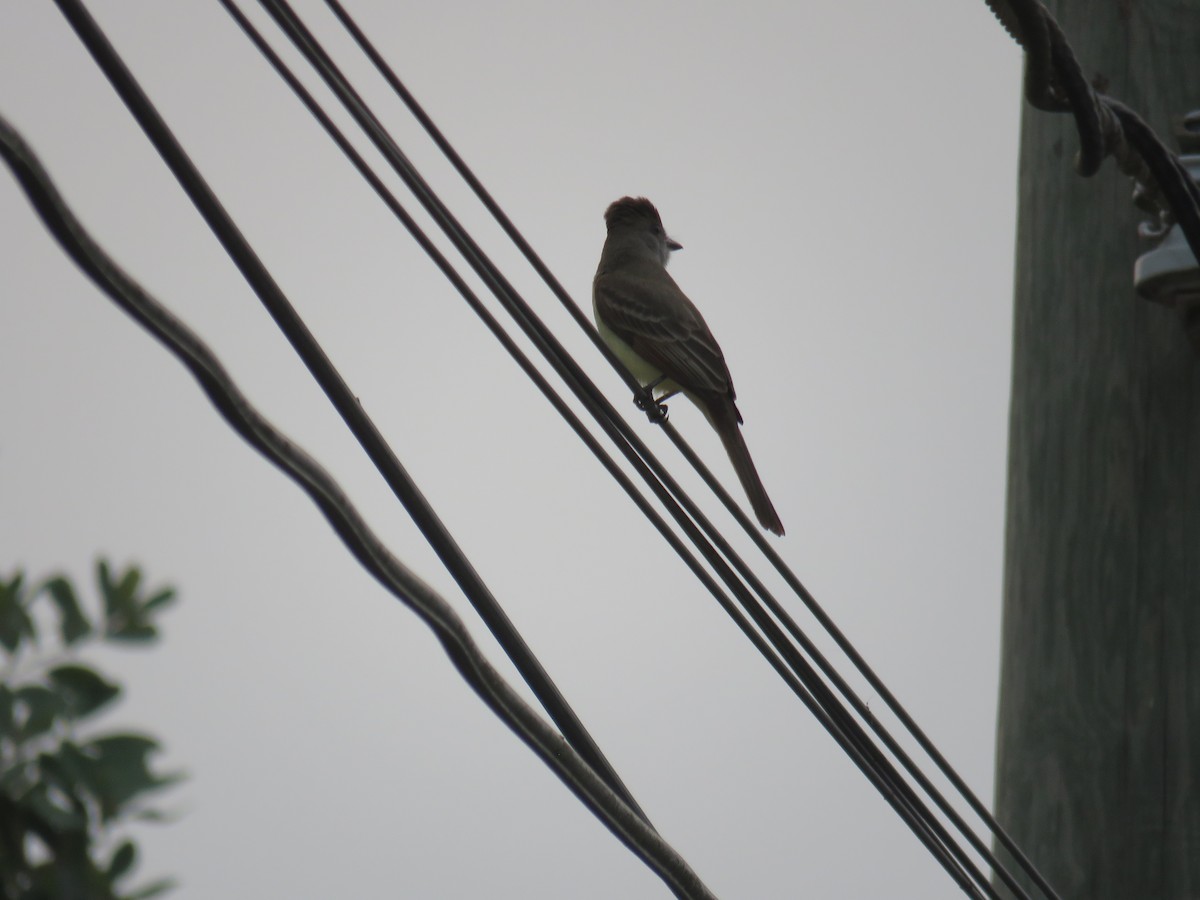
(70, 872)
(15, 780)
(157, 815)
(127, 617)
(104, 578)
(64, 800)
(130, 579)
(133, 633)
(7, 725)
(152, 890)
(82, 690)
(37, 707)
(122, 860)
(63, 785)
(120, 596)
(71, 758)
(74, 625)
(162, 598)
(116, 770)
(62, 768)
(54, 810)
(15, 623)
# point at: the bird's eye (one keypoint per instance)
(656, 229)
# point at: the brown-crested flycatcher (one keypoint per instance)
(658, 333)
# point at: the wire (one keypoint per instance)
(308, 45)
(340, 395)
(162, 138)
(356, 159)
(764, 545)
(876, 683)
(366, 547)
(1054, 82)
(818, 697)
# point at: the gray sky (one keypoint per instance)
(843, 178)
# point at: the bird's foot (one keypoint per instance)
(655, 410)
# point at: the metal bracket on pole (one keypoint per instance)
(1168, 273)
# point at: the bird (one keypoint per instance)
(659, 334)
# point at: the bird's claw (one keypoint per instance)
(655, 411)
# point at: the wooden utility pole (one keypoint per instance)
(1098, 744)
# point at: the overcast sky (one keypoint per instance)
(843, 178)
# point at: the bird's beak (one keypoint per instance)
(673, 244)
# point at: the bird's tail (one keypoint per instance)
(724, 417)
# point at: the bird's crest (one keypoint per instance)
(631, 209)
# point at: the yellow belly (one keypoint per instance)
(643, 371)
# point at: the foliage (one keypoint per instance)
(63, 794)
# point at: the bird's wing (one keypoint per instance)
(656, 319)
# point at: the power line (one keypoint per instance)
(284, 453)
(712, 545)
(905, 799)
(340, 395)
(308, 45)
(339, 392)
(1054, 81)
(356, 159)
(843, 643)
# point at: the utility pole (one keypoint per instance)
(1098, 741)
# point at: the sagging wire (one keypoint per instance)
(342, 398)
(347, 405)
(308, 45)
(886, 783)
(262, 283)
(764, 545)
(794, 583)
(349, 525)
(173, 154)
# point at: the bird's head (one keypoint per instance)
(634, 219)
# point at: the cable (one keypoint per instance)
(308, 45)
(843, 643)
(356, 159)
(849, 729)
(340, 395)
(1094, 128)
(573, 309)
(175, 157)
(1054, 82)
(163, 140)
(366, 547)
